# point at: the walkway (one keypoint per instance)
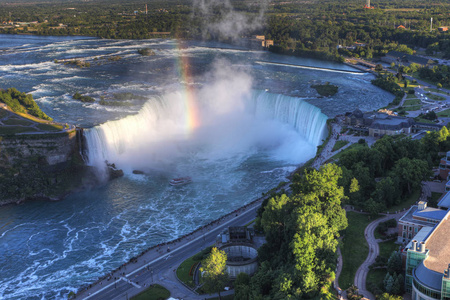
(327, 151)
(158, 265)
(374, 250)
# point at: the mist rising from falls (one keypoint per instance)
(282, 127)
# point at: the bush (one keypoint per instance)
(22, 103)
(82, 98)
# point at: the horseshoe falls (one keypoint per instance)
(156, 138)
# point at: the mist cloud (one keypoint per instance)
(222, 21)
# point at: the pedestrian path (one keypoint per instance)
(374, 250)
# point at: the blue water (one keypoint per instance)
(238, 151)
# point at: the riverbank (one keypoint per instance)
(139, 266)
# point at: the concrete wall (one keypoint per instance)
(249, 266)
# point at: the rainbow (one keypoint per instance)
(192, 120)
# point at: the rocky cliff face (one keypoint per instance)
(54, 148)
(46, 166)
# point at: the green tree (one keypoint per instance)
(214, 271)
(386, 296)
(394, 264)
(387, 191)
(388, 283)
(354, 186)
(410, 173)
(443, 134)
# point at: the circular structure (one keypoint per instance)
(241, 258)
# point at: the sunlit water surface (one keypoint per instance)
(49, 249)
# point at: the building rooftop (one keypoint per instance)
(421, 236)
(438, 244)
(430, 213)
(428, 277)
(408, 217)
(392, 123)
(445, 201)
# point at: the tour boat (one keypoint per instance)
(180, 181)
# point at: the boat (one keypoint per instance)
(180, 181)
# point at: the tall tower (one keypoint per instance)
(368, 4)
(146, 11)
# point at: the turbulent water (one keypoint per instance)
(254, 123)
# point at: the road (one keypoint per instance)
(158, 265)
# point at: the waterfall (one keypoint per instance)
(307, 119)
(158, 132)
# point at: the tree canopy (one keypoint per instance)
(301, 233)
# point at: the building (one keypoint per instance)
(380, 123)
(427, 263)
(367, 5)
(444, 166)
(443, 29)
(400, 58)
(444, 202)
(384, 124)
(418, 217)
(256, 42)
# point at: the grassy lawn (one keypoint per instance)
(422, 120)
(15, 129)
(49, 127)
(434, 199)
(12, 121)
(436, 91)
(3, 113)
(355, 248)
(354, 146)
(154, 292)
(374, 280)
(386, 248)
(339, 144)
(32, 118)
(435, 97)
(375, 277)
(444, 113)
(410, 96)
(411, 200)
(227, 297)
(183, 271)
(410, 108)
(412, 102)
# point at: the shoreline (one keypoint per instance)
(90, 289)
(176, 243)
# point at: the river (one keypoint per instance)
(236, 121)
